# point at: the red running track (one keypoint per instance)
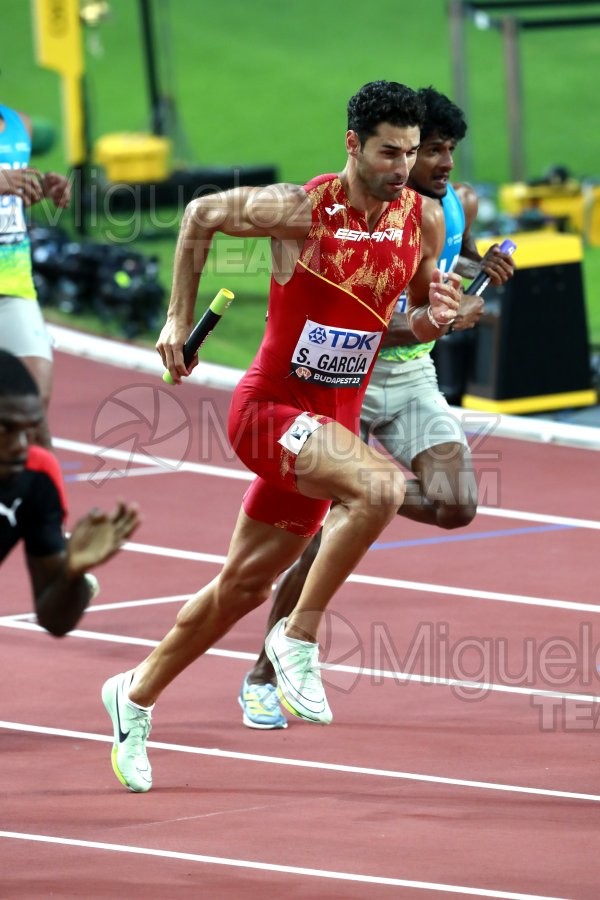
(463, 756)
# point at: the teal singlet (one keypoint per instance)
(15, 252)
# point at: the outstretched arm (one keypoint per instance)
(280, 211)
(60, 589)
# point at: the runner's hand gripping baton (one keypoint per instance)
(479, 284)
(203, 328)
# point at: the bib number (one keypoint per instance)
(333, 357)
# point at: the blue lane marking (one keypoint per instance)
(446, 539)
(69, 467)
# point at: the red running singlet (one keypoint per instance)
(323, 331)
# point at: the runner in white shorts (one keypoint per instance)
(403, 409)
(22, 328)
(405, 412)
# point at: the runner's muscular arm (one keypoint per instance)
(279, 211)
(428, 295)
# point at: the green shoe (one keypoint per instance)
(299, 684)
(131, 729)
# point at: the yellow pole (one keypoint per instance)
(58, 46)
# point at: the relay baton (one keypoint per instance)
(479, 284)
(203, 328)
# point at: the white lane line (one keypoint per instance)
(398, 583)
(272, 867)
(311, 764)
(522, 515)
(481, 687)
(171, 465)
(476, 594)
(108, 607)
(174, 465)
(128, 473)
(159, 550)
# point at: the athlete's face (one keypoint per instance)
(19, 417)
(384, 161)
(431, 172)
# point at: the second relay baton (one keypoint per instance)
(203, 328)
(479, 284)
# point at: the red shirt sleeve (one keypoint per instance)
(42, 460)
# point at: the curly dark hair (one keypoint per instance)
(15, 380)
(383, 101)
(442, 116)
